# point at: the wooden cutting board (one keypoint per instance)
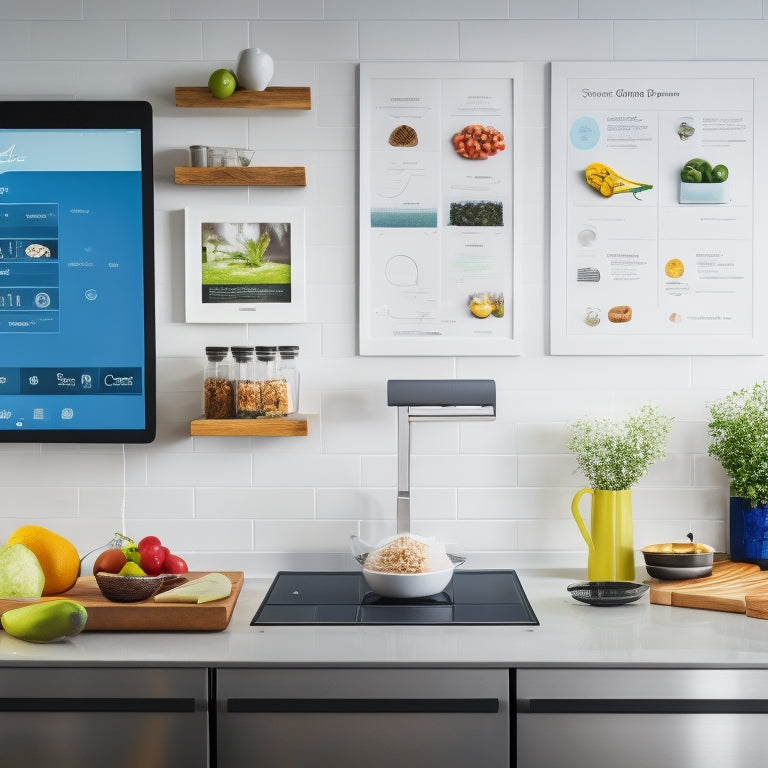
(103, 614)
(733, 587)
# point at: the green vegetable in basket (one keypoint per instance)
(699, 171)
(719, 173)
(691, 175)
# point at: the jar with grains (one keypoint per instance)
(290, 372)
(247, 388)
(218, 387)
(274, 389)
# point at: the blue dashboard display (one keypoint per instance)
(77, 349)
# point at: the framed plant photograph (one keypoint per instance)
(244, 265)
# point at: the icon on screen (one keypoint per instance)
(38, 414)
(67, 413)
(91, 294)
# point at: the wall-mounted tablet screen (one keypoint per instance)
(77, 323)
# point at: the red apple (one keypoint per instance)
(174, 564)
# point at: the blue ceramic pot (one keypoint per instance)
(748, 533)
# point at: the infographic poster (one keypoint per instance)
(655, 207)
(439, 232)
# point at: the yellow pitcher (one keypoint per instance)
(611, 551)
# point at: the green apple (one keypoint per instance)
(222, 83)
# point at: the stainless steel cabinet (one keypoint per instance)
(346, 718)
(634, 718)
(120, 717)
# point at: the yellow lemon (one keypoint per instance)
(674, 268)
(57, 555)
(480, 306)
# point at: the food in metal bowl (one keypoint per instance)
(679, 560)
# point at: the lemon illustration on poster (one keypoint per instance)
(654, 206)
(439, 233)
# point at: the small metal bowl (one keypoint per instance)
(678, 560)
(133, 589)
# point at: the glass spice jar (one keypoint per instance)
(274, 389)
(218, 388)
(247, 388)
(290, 373)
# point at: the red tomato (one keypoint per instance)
(174, 564)
(152, 558)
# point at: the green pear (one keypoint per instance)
(20, 572)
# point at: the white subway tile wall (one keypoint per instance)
(501, 487)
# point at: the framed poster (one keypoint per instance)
(439, 224)
(656, 200)
(244, 265)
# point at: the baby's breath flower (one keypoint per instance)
(615, 455)
(738, 427)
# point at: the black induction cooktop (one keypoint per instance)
(344, 597)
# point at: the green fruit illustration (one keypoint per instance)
(46, 621)
(719, 173)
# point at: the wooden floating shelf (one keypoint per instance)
(274, 97)
(280, 426)
(260, 176)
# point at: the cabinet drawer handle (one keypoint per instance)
(462, 706)
(645, 706)
(96, 705)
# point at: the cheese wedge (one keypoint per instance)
(212, 586)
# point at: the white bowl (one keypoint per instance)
(407, 585)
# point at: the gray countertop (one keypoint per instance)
(570, 634)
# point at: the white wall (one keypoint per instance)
(498, 487)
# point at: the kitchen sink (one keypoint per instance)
(344, 597)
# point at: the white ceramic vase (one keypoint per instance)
(254, 69)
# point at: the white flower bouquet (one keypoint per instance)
(614, 455)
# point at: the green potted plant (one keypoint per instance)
(738, 428)
(614, 455)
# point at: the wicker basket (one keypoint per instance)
(133, 589)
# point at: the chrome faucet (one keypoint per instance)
(432, 400)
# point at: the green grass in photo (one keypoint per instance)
(236, 271)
